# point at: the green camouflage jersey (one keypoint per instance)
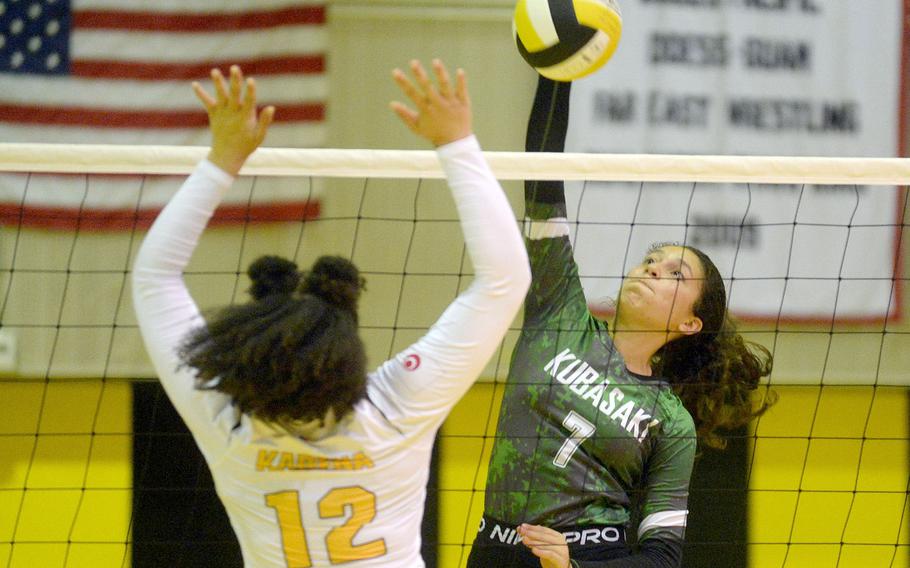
(579, 436)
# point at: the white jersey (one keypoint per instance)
(355, 494)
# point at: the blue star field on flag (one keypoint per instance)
(34, 36)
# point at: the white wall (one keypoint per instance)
(369, 38)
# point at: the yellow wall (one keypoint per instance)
(830, 466)
(464, 449)
(846, 448)
(69, 483)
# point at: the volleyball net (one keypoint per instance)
(811, 249)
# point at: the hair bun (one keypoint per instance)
(336, 280)
(272, 275)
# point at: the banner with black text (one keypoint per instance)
(750, 77)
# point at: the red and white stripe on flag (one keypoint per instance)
(119, 72)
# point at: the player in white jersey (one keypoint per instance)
(309, 478)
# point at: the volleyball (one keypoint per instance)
(565, 40)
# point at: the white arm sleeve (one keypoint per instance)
(420, 385)
(166, 312)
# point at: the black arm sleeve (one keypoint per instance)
(547, 128)
(653, 553)
(556, 290)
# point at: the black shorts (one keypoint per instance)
(497, 545)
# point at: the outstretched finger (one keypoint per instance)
(249, 102)
(461, 87)
(207, 101)
(408, 116)
(442, 77)
(221, 94)
(424, 80)
(265, 120)
(407, 87)
(236, 82)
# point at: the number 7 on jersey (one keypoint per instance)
(581, 429)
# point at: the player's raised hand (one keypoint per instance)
(442, 111)
(237, 129)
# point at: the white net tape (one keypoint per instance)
(94, 158)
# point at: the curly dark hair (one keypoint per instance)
(715, 372)
(293, 352)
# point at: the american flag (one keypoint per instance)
(119, 72)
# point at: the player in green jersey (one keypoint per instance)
(600, 422)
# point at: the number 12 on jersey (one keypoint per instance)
(339, 541)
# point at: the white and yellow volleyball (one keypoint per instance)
(565, 40)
